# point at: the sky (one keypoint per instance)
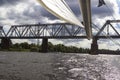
(30, 11)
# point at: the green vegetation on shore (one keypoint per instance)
(25, 47)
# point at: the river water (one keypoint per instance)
(58, 66)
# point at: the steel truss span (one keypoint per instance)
(57, 30)
(32, 31)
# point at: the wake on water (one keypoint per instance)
(86, 67)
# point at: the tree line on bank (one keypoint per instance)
(51, 48)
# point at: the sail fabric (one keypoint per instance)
(85, 8)
(60, 9)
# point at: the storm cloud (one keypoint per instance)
(9, 2)
(36, 12)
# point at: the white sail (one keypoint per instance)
(60, 9)
(85, 8)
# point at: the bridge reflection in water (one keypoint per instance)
(57, 31)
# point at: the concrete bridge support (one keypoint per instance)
(45, 45)
(94, 47)
(6, 43)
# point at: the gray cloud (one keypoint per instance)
(12, 15)
(9, 2)
(100, 12)
(38, 13)
(103, 11)
(34, 13)
(74, 5)
(44, 13)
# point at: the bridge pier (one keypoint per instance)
(5, 43)
(45, 45)
(94, 47)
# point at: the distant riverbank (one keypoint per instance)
(25, 47)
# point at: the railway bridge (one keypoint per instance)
(57, 31)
